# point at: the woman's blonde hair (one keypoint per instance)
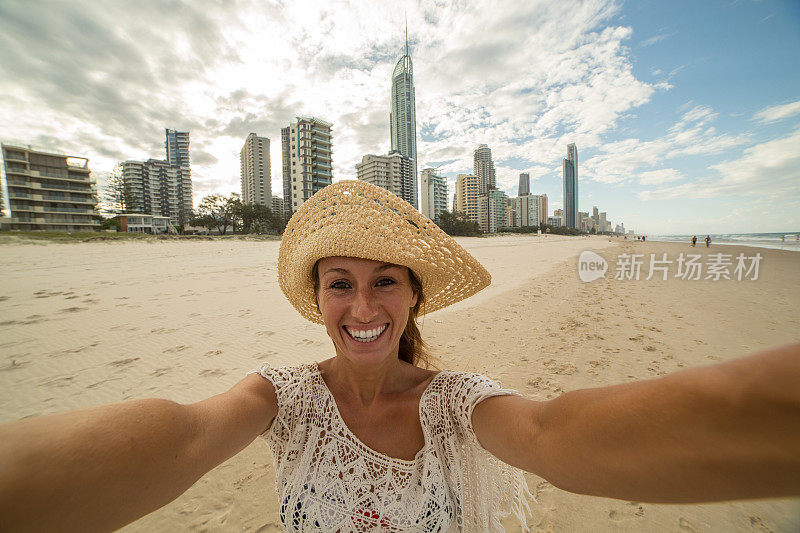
(413, 349)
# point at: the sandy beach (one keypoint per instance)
(91, 323)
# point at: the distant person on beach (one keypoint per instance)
(644, 237)
(375, 439)
(694, 240)
(708, 241)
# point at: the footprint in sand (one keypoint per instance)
(213, 372)
(211, 353)
(4, 298)
(685, 525)
(163, 330)
(560, 368)
(123, 362)
(176, 349)
(265, 333)
(158, 372)
(72, 310)
(758, 525)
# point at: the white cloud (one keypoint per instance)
(778, 112)
(770, 169)
(637, 161)
(509, 74)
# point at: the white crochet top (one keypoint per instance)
(328, 480)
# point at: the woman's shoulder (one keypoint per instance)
(286, 374)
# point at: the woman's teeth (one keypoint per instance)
(367, 335)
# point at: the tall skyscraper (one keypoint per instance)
(484, 168)
(162, 187)
(433, 194)
(177, 149)
(393, 172)
(307, 160)
(466, 200)
(42, 190)
(524, 184)
(255, 171)
(403, 115)
(571, 187)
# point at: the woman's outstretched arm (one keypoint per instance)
(727, 431)
(101, 468)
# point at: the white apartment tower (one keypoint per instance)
(177, 149)
(162, 187)
(255, 171)
(484, 168)
(466, 199)
(307, 160)
(433, 194)
(527, 210)
(393, 172)
(402, 117)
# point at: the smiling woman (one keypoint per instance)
(371, 439)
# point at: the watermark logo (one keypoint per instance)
(591, 266)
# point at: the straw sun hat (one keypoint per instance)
(357, 219)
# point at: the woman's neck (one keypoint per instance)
(363, 383)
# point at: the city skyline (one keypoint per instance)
(683, 126)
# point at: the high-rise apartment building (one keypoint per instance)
(542, 209)
(433, 194)
(403, 115)
(277, 206)
(570, 175)
(162, 188)
(42, 190)
(527, 210)
(466, 200)
(524, 184)
(484, 168)
(394, 172)
(177, 149)
(306, 146)
(492, 211)
(255, 171)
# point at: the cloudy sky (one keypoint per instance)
(686, 114)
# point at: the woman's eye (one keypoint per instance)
(340, 285)
(383, 282)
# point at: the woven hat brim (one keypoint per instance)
(357, 219)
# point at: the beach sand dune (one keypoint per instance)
(92, 323)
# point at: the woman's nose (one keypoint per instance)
(364, 306)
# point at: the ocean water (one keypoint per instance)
(759, 240)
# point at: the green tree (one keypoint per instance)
(457, 223)
(118, 196)
(217, 211)
(256, 218)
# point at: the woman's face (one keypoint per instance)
(365, 306)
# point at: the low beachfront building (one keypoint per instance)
(144, 223)
(46, 191)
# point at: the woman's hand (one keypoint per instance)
(104, 467)
(727, 431)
